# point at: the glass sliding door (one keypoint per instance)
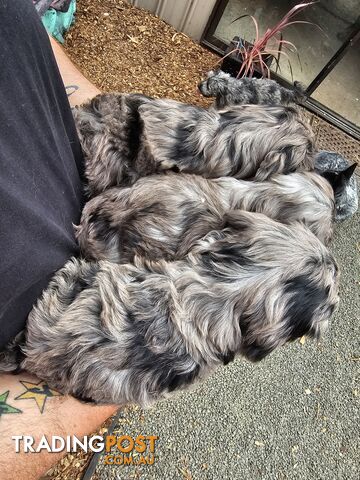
(340, 90)
(327, 60)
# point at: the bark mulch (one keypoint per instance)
(126, 49)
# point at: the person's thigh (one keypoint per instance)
(40, 166)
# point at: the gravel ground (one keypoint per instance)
(293, 416)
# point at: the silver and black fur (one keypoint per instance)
(229, 91)
(162, 216)
(125, 137)
(110, 333)
(340, 174)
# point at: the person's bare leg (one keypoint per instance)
(78, 88)
(29, 407)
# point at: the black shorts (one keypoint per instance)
(40, 166)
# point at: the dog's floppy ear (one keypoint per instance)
(262, 341)
(263, 328)
(222, 87)
(256, 351)
(289, 313)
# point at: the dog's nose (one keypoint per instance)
(201, 89)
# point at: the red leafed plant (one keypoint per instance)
(253, 56)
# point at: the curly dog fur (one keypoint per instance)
(125, 137)
(115, 334)
(162, 216)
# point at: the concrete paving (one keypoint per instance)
(293, 416)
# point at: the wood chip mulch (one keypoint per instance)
(126, 49)
(74, 465)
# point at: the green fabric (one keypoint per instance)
(57, 23)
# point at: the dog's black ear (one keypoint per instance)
(339, 180)
(304, 298)
(333, 178)
(256, 352)
(259, 341)
(348, 173)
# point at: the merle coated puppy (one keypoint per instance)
(162, 216)
(229, 91)
(125, 137)
(109, 333)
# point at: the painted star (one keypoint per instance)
(39, 392)
(5, 407)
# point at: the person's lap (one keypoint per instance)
(40, 160)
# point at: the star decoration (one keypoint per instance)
(39, 392)
(5, 407)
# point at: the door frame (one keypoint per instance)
(209, 40)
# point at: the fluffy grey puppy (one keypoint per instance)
(338, 171)
(162, 216)
(125, 137)
(115, 334)
(228, 90)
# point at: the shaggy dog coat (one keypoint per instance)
(115, 334)
(125, 137)
(162, 216)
